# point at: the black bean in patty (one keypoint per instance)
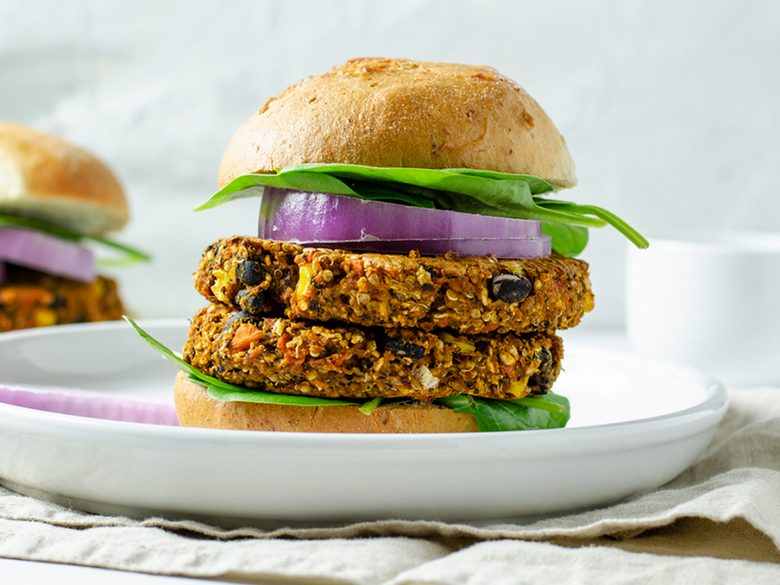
(250, 272)
(253, 303)
(405, 349)
(510, 287)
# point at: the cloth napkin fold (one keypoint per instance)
(717, 522)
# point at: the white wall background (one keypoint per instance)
(671, 108)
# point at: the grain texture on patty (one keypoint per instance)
(304, 358)
(470, 295)
(29, 298)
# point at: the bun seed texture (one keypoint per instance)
(400, 113)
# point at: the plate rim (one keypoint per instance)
(549, 459)
(714, 404)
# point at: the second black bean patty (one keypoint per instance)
(299, 357)
(29, 298)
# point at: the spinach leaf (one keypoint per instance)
(569, 240)
(466, 190)
(550, 411)
(239, 394)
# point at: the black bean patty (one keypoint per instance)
(29, 298)
(305, 358)
(471, 295)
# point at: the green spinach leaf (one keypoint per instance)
(466, 190)
(550, 411)
(239, 394)
(570, 240)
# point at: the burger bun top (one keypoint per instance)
(402, 113)
(47, 179)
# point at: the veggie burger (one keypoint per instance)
(56, 201)
(409, 273)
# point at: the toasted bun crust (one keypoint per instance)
(401, 113)
(196, 409)
(45, 178)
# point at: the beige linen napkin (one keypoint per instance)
(717, 522)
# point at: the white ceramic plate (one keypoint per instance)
(636, 424)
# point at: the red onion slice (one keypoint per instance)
(323, 219)
(507, 248)
(46, 253)
(89, 404)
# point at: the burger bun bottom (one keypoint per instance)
(195, 408)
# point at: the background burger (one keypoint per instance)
(55, 200)
(408, 275)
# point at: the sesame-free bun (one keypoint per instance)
(401, 113)
(45, 178)
(195, 408)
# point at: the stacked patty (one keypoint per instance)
(29, 298)
(333, 323)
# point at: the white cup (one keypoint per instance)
(710, 300)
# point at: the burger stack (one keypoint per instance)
(393, 335)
